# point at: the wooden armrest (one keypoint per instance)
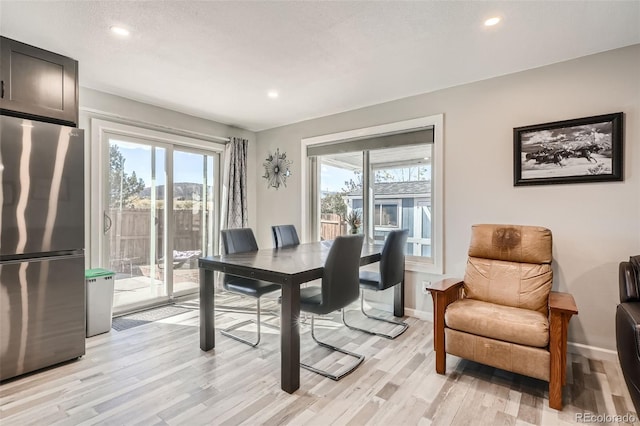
(445, 285)
(443, 293)
(561, 308)
(563, 303)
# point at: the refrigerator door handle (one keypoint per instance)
(107, 223)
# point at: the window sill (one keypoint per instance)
(424, 266)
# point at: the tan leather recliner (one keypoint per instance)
(504, 313)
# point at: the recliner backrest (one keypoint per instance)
(510, 265)
(341, 278)
(629, 280)
(392, 259)
(284, 236)
(239, 240)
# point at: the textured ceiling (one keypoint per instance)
(218, 60)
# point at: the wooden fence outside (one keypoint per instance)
(331, 226)
(129, 236)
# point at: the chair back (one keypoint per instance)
(341, 278)
(629, 280)
(510, 265)
(392, 259)
(284, 236)
(239, 240)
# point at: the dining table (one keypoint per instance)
(289, 267)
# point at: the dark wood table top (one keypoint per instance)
(287, 265)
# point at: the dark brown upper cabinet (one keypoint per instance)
(38, 84)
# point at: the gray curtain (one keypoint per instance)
(234, 201)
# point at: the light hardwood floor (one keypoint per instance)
(156, 374)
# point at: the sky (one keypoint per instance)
(332, 179)
(187, 166)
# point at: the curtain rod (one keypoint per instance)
(152, 126)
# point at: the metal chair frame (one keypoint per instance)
(392, 336)
(227, 331)
(336, 377)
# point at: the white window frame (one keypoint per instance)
(417, 221)
(435, 264)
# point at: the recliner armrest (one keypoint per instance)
(446, 285)
(562, 307)
(443, 293)
(628, 282)
(562, 302)
(633, 311)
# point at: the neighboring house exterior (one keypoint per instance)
(400, 205)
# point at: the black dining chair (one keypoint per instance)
(391, 274)
(339, 288)
(242, 240)
(285, 236)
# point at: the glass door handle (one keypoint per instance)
(107, 223)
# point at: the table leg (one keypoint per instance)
(207, 326)
(290, 338)
(398, 299)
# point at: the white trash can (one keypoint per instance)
(99, 300)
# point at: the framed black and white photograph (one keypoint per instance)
(571, 151)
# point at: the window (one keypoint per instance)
(340, 175)
(386, 215)
(400, 168)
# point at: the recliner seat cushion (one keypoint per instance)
(527, 360)
(519, 285)
(506, 323)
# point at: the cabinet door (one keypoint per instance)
(38, 83)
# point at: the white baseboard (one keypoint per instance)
(592, 352)
(415, 313)
(422, 315)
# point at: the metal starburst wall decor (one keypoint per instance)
(276, 169)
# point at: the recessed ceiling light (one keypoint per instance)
(123, 32)
(272, 94)
(492, 21)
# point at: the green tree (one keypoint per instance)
(124, 188)
(333, 203)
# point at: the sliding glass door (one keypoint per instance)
(194, 207)
(134, 220)
(159, 218)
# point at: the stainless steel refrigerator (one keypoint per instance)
(42, 286)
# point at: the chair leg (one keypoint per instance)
(227, 330)
(403, 324)
(359, 358)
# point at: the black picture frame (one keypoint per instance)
(588, 149)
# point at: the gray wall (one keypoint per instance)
(595, 225)
(106, 106)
